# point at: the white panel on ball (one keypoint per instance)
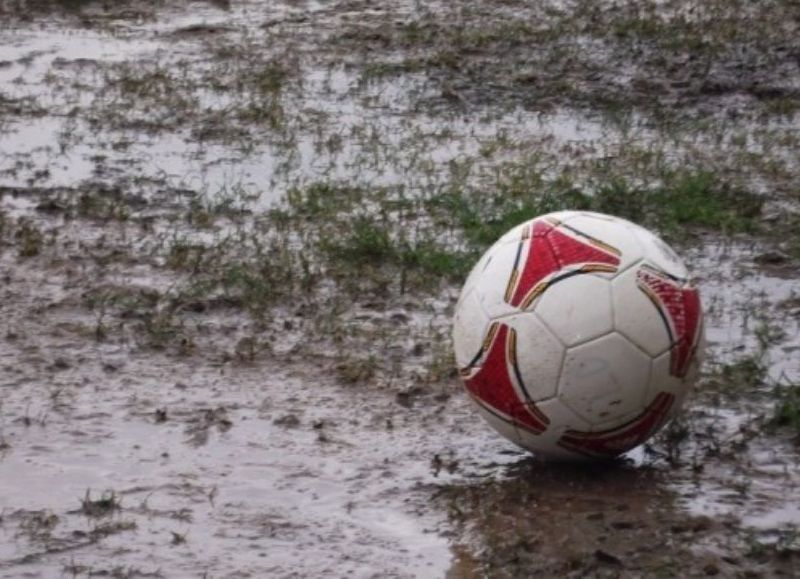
(635, 316)
(503, 427)
(577, 309)
(469, 328)
(606, 380)
(539, 355)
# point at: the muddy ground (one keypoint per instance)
(232, 235)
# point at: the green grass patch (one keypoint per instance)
(438, 236)
(102, 205)
(322, 200)
(381, 241)
(29, 238)
(373, 248)
(745, 375)
(683, 200)
(748, 372)
(375, 71)
(787, 408)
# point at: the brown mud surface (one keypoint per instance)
(232, 235)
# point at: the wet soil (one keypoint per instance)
(203, 374)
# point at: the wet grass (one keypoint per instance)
(683, 201)
(596, 55)
(748, 372)
(39, 524)
(107, 503)
(680, 202)
(371, 245)
(102, 205)
(356, 370)
(45, 5)
(29, 238)
(163, 329)
(383, 243)
(319, 234)
(791, 236)
(787, 409)
(15, 11)
(236, 91)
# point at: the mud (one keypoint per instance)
(197, 378)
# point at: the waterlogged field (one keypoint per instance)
(232, 235)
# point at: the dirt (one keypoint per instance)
(201, 374)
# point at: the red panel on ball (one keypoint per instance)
(680, 309)
(550, 251)
(617, 440)
(492, 384)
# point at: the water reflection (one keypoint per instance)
(543, 519)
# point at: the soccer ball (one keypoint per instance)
(578, 335)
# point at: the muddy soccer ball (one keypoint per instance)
(577, 335)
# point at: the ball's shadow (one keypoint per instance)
(547, 516)
(540, 473)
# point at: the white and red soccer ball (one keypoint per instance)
(577, 334)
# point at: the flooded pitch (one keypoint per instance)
(232, 235)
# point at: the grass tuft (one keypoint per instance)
(106, 504)
(787, 408)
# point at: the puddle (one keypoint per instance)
(254, 494)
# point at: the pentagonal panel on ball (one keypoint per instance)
(608, 233)
(470, 326)
(577, 309)
(605, 379)
(636, 316)
(493, 283)
(538, 356)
